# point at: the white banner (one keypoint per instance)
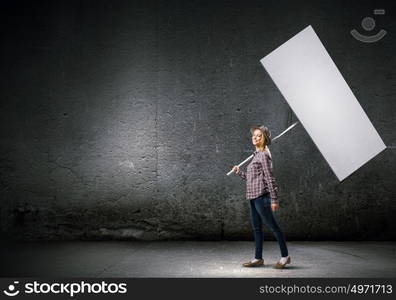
(314, 88)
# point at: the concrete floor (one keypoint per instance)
(194, 259)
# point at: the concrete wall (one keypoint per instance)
(119, 119)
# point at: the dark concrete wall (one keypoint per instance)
(119, 119)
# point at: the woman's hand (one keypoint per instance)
(235, 169)
(274, 206)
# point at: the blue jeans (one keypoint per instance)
(260, 211)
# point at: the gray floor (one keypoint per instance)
(195, 259)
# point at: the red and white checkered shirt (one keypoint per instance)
(259, 177)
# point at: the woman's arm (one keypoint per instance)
(269, 177)
(237, 170)
(242, 174)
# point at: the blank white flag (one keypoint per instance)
(323, 102)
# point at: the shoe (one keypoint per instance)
(251, 264)
(279, 265)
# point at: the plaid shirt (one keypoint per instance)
(259, 177)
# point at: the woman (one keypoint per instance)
(261, 191)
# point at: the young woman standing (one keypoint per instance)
(262, 192)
